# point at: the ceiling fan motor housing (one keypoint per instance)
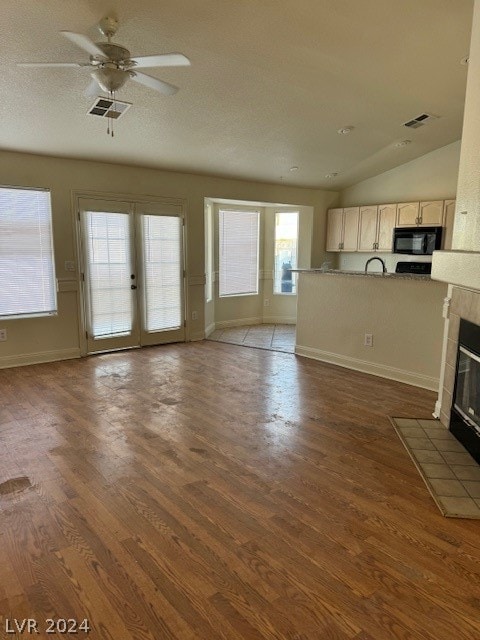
(114, 53)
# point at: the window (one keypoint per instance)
(27, 271)
(162, 237)
(238, 249)
(286, 252)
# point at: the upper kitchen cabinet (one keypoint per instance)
(351, 217)
(407, 214)
(376, 227)
(387, 216)
(342, 229)
(420, 214)
(334, 229)
(367, 229)
(431, 213)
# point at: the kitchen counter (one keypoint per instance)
(370, 274)
(402, 313)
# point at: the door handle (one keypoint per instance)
(133, 286)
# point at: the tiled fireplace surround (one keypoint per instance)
(465, 304)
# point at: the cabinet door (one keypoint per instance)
(387, 215)
(449, 212)
(407, 214)
(367, 230)
(431, 213)
(351, 217)
(334, 229)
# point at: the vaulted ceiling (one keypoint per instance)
(270, 84)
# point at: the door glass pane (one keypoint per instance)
(109, 270)
(161, 238)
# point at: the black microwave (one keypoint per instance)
(417, 241)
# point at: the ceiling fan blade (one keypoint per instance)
(84, 43)
(154, 83)
(52, 64)
(93, 90)
(162, 60)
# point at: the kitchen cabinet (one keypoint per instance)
(420, 214)
(449, 216)
(407, 214)
(334, 229)
(431, 214)
(376, 227)
(342, 229)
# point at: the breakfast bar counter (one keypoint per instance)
(390, 325)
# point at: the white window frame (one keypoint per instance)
(209, 261)
(246, 211)
(294, 275)
(53, 292)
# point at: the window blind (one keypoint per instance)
(27, 270)
(238, 252)
(109, 270)
(162, 251)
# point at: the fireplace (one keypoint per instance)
(465, 414)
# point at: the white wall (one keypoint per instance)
(466, 231)
(430, 177)
(403, 315)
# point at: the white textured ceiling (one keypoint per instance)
(271, 81)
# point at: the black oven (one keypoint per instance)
(417, 241)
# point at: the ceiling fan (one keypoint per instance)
(112, 65)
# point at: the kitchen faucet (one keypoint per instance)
(384, 268)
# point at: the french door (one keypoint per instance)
(132, 263)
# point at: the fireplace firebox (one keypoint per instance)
(465, 413)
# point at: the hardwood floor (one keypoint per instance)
(206, 491)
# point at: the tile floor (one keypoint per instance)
(274, 337)
(449, 471)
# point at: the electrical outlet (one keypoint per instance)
(266, 302)
(3, 335)
(368, 340)
(194, 315)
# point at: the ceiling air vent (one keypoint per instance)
(419, 121)
(106, 108)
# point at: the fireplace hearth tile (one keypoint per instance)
(406, 422)
(473, 489)
(449, 488)
(421, 443)
(454, 484)
(438, 433)
(459, 507)
(451, 445)
(413, 432)
(429, 457)
(467, 473)
(459, 458)
(437, 471)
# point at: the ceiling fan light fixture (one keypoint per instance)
(110, 79)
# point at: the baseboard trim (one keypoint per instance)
(279, 320)
(383, 371)
(6, 362)
(240, 322)
(210, 329)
